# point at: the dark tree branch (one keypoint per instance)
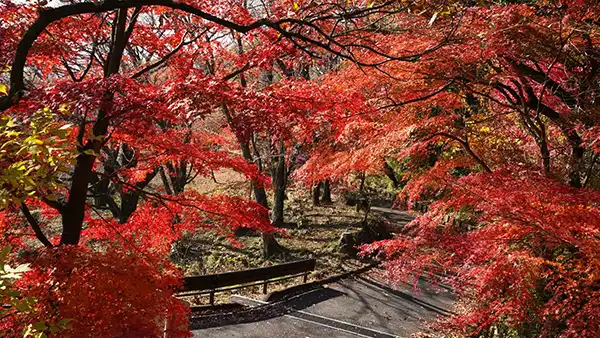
(132, 22)
(48, 16)
(85, 71)
(35, 226)
(237, 72)
(54, 204)
(164, 59)
(541, 78)
(421, 98)
(467, 148)
(590, 170)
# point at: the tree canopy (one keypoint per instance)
(488, 111)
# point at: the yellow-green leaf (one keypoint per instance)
(90, 152)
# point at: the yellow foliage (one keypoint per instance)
(32, 155)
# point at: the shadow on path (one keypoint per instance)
(430, 307)
(267, 311)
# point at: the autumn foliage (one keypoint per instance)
(487, 111)
(494, 131)
(113, 293)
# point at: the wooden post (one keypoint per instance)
(166, 329)
(212, 297)
(265, 287)
(305, 277)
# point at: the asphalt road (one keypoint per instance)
(280, 327)
(357, 307)
(364, 306)
(397, 310)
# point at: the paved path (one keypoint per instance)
(280, 327)
(364, 306)
(357, 307)
(399, 310)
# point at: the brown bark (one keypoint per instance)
(72, 220)
(326, 192)
(389, 172)
(279, 182)
(270, 245)
(316, 194)
(35, 226)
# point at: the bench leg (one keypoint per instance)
(166, 328)
(265, 287)
(212, 298)
(305, 277)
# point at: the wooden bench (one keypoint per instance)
(211, 284)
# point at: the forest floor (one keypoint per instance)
(310, 232)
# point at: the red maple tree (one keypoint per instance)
(495, 131)
(490, 109)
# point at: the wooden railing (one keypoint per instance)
(211, 284)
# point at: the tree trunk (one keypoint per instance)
(279, 185)
(389, 172)
(316, 193)
(545, 157)
(361, 187)
(131, 197)
(260, 194)
(72, 220)
(74, 212)
(270, 245)
(101, 186)
(577, 152)
(129, 203)
(326, 192)
(165, 180)
(590, 170)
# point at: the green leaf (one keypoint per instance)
(90, 152)
(64, 109)
(24, 307)
(4, 252)
(11, 123)
(28, 331)
(40, 326)
(64, 323)
(12, 293)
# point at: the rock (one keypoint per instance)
(347, 243)
(374, 231)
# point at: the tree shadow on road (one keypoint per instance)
(267, 311)
(427, 306)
